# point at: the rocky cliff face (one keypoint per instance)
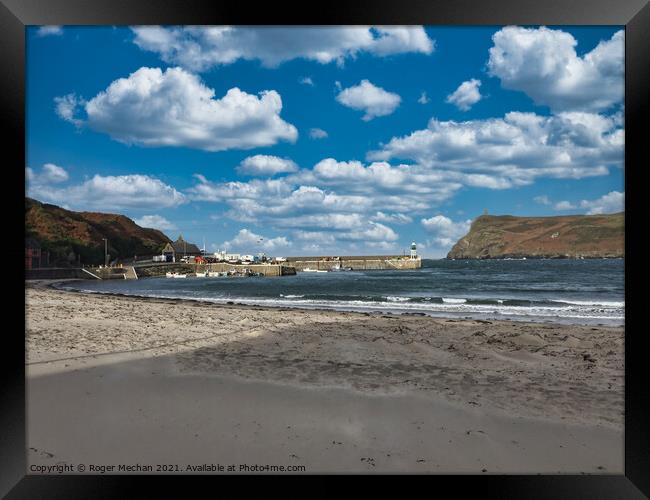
(571, 236)
(77, 236)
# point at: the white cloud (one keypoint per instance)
(317, 133)
(611, 202)
(466, 95)
(112, 193)
(423, 98)
(318, 238)
(53, 173)
(174, 108)
(502, 152)
(400, 188)
(156, 222)
(66, 108)
(200, 48)
(238, 191)
(51, 30)
(49, 174)
(564, 205)
(445, 231)
(307, 81)
(395, 218)
(284, 204)
(247, 241)
(266, 165)
(544, 64)
(373, 100)
(374, 231)
(542, 200)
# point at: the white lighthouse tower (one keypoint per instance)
(414, 252)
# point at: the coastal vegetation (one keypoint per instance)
(570, 236)
(77, 237)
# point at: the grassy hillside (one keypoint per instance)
(570, 236)
(67, 234)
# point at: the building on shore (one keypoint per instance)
(33, 254)
(180, 248)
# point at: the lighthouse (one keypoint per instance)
(414, 252)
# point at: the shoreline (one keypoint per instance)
(93, 355)
(470, 315)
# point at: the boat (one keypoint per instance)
(338, 267)
(310, 270)
(204, 274)
(176, 275)
(214, 274)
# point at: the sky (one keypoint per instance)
(325, 140)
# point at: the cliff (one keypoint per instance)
(77, 236)
(571, 236)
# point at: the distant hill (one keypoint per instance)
(570, 236)
(68, 235)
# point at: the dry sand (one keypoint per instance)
(117, 380)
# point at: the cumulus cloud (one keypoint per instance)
(317, 133)
(286, 205)
(200, 48)
(307, 81)
(49, 174)
(247, 241)
(544, 64)
(466, 95)
(66, 108)
(445, 231)
(112, 193)
(564, 205)
(174, 108)
(375, 232)
(373, 100)
(400, 188)
(155, 222)
(542, 200)
(503, 152)
(611, 202)
(423, 98)
(266, 165)
(395, 218)
(51, 30)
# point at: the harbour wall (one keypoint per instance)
(51, 273)
(371, 262)
(163, 268)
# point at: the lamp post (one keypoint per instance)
(105, 251)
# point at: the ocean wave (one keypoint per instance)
(601, 303)
(553, 310)
(453, 300)
(398, 299)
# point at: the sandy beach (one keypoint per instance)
(122, 380)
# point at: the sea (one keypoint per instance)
(589, 291)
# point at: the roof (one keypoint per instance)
(182, 246)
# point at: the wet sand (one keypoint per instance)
(119, 380)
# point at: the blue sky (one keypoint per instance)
(325, 141)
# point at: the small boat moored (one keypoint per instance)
(176, 275)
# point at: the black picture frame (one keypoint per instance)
(15, 15)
